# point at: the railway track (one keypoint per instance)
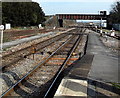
(46, 72)
(24, 66)
(19, 68)
(14, 57)
(116, 37)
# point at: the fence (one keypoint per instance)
(116, 27)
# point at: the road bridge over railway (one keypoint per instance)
(61, 17)
(82, 16)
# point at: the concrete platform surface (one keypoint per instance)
(72, 88)
(105, 65)
(92, 75)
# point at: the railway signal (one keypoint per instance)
(103, 13)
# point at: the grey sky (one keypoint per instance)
(75, 0)
(51, 7)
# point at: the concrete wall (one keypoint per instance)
(116, 26)
(51, 22)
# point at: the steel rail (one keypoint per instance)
(65, 32)
(19, 58)
(62, 67)
(31, 46)
(38, 43)
(7, 92)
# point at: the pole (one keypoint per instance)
(1, 40)
(101, 26)
(1, 29)
(101, 22)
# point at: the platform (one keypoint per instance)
(93, 74)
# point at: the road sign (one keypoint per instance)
(1, 27)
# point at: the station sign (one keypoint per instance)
(7, 26)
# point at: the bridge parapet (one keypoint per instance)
(82, 16)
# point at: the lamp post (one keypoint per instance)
(1, 29)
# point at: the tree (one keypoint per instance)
(22, 13)
(0, 12)
(115, 13)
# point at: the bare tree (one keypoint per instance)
(115, 13)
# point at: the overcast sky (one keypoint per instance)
(52, 7)
(75, 0)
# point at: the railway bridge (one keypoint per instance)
(61, 17)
